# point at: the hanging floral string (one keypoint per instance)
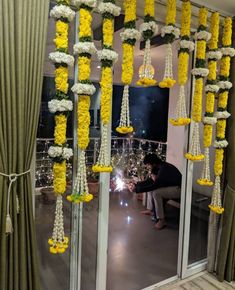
(169, 32)
(129, 37)
(186, 46)
(211, 89)
(108, 57)
(60, 105)
(200, 72)
(225, 85)
(85, 48)
(148, 29)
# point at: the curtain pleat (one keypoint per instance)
(23, 29)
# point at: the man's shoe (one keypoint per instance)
(160, 224)
(147, 212)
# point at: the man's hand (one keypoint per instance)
(131, 186)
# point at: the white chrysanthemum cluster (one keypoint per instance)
(200, 72)
(89, 3)
(212, 88)
(222, 114)
(151, 25)
(107, 54)
(188, 44)
(170, 29)
(61, 57)
(228, 51)
(225, 85)
(109, 8)
(60, 105)
(210, 120)
(130, 33)
(203, 35)
(84, 47)
(59, 151)
(83, 89)
(220, 143)
(214, 54)
(62, 11)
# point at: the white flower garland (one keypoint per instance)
(187, 44)
(61, 57)
(83, 89)
(222, 114)
(225, 85)
(130, 33)
(203, 35)
(210, 120)
(109, 8)
(108, 54)
(228, 51)
(201, 72)
(89, 3)
(60, 105)
(212, 88)
(58, 151)
(151, 25)
(214, 54)
(221, 144)
(64, 11)
(84, 47)
(170, 29)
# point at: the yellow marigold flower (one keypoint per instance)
(53, 250)
(218, 166)
(83, 121)
(191, 157)
(108, 29)
(60, 129)
(61, 40)
(186, 19)
(205, 182)
(84, 69)
(203, 16)
(167, 83)
(85, 23)
(61, 79)
(170, 12)
(183, 68)
(124, 130)
(146, 82)
(98, 168)
(130, 10)
(212, 66)
(210, 102)
(201, 49)
(59, 183)
(220, 128)
(223, 100)
(225, 66)
(127, 63)
(106, 85)
(215, 19)
(216, 209)
(227, 32)
(149, 8)
(208, 131)
(197, 101)
(180, 121)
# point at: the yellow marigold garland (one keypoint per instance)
(199, 72)
(186, 46)
(60, 105)
(222, 114)
(129, 37)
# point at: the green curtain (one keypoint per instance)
(226, 254)
(23, 27)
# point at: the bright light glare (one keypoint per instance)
(120, 184)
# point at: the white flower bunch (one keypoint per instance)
(225, 85)
(228, 51)
(83, 89)
(210, 120)
(59, 151)
(89, 3)
(170, 29)
(64, 11)
(151, 25)
(202, 72)
(203, 35)
(187, 44)
(60, 105)
(212, 88)
(67, 153)
(84, 47)
(61, 57)
(221, 144)
(109, 8)
(108, 54)
(222, 114)
(214, 54)
(130, 33)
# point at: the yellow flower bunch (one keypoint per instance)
(85, 197)
(146, 82)
(58, 248)
(205, 182)
(83, 121)
(180, 121)
(192, 157)
(225, 66)
(59, 183)
(183, 68)
(107, 28)
(167, 83)
(186, 19)
(207, 135)
(149, 8)
(201, 49)
(218, 166)
(210, 102)
(223, 100)
(97, 168)
(170, 12)
(203, 16)
(124, 130)
(130, 10)
(215, 19)
(61, 79)
(220, 128)
(84, 66)
(197, 101)
(212, 66)
(227, 32)
(127, 63)
(106, 85)
(85, 29)
(61, 40)
(216, 209)
(60, 129)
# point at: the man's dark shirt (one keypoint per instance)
(168, 175)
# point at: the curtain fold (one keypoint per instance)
(23, 29)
